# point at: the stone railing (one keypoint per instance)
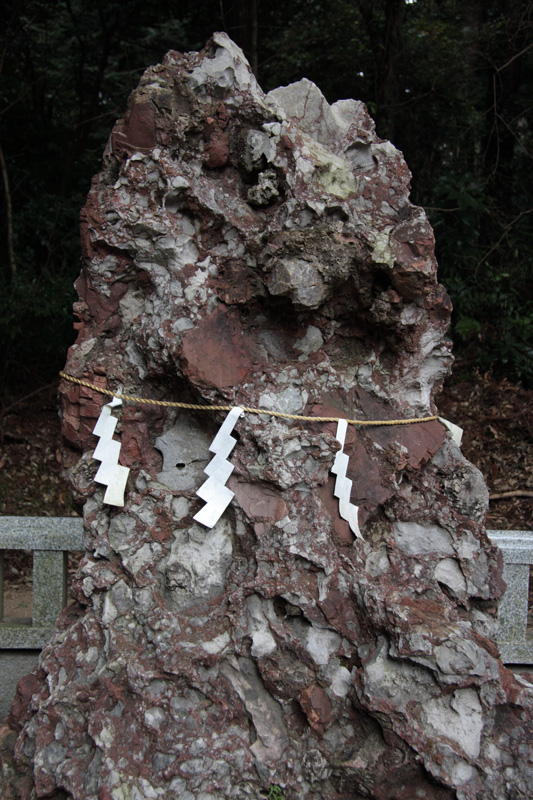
(514, 640)
(50, 539)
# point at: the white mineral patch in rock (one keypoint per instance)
(185, 449)
(180, 508)
(459, 718)
(338, 178)
(104, 737)
(462, 773)
(449, 572)
(154, 717)
(217, 644)
(396, 681)
(110, 612)
(306, 106)
(321, 644)
(415, 539)
(122, 595)
(467, 546)
(383, 252)
(310, 343)
(458, 657)
(136, 559)
(136, 358)
(131, 306)
(259, 144)
(411, 315)
(179, 251)
(377, 563)
(341, 681)
(84, 349)
(288, 401)
(198, 561)
(182, 324)
(361, 158)
(263, 643)
(418, 643)
(299, 278)
(264, 711)
(348, 112)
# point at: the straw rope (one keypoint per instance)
(196, 407)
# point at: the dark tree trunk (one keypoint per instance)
(240, 20)
(384, 37)
(504, 82)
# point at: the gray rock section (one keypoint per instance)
(252, 250)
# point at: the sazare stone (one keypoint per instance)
(261, 250)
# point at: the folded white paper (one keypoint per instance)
(110, 472)
(343, 485)
(216, 495)
(456, 431)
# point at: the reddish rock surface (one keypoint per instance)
(254, 250)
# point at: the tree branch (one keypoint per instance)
(513, 58)
(505, 495)
(505, 232)
(9, 213)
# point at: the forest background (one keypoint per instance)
(449, 82)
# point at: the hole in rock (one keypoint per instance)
(298, 718)
(283, 608)
(181, 465)
(113, 170)
(380, 282)
(445, 590)
(337, 213)
(361, 157)
(174, 202)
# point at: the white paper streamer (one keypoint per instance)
(343, 485)
(456, 431)
(216, 495)
(110, 473)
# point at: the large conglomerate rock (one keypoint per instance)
(260, 250)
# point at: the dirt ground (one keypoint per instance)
(498, 438)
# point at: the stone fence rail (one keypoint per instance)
(51, 539)
(514, 639)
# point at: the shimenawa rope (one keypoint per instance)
(196, 407)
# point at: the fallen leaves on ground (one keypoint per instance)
(498, 439)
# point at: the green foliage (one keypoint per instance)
(503, 336)
(275, 792)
